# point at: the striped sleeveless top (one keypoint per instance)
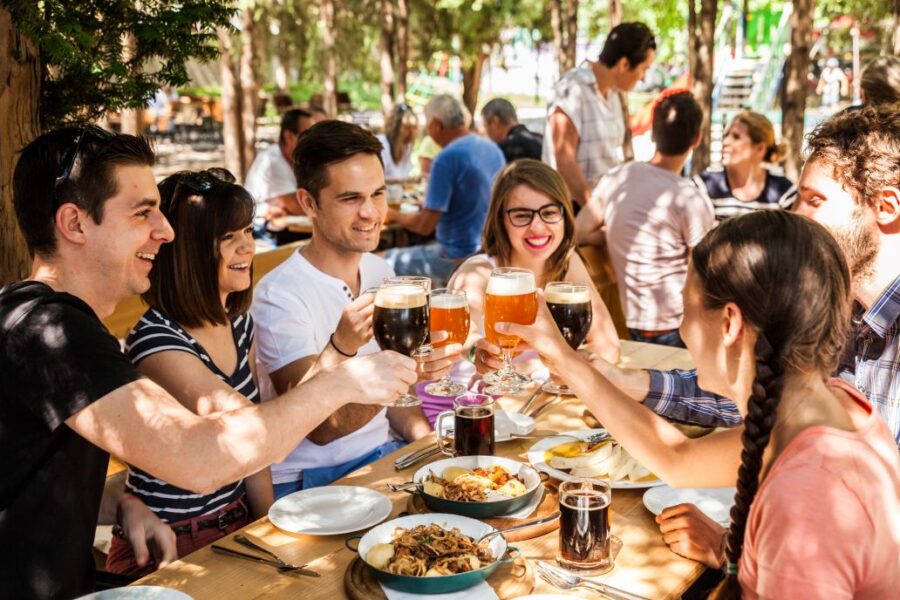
(156, 332)
(714, 185)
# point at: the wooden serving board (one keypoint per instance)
(510, 580)
(549, 505)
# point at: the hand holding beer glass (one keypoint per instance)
(510, 297)
(450, 313)
(400, 323)
(570, 306)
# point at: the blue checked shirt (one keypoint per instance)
(870, 362)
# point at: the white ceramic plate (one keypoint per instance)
(536, 458)
(506, 423)
(715, 503)
(138, 592)
(330, 510)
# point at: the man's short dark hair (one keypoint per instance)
(676, 123)
(502, 109)
(326, 143)
(90, 183)
(632, 41)
(290, 121)
(184, 281)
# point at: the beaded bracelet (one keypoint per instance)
(339, 351)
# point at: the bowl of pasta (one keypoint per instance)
(477, 486)
(432, 553)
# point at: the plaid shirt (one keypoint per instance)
(870, 362)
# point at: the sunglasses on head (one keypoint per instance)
(85, 133)
(198, 182)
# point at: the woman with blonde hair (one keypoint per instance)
(531, 225)
(744, 185)
(400, 131)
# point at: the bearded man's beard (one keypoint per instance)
(860, 245)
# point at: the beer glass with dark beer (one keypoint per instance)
(584, 537)
(570, 305)
(473, 426)
(511, 298)
(400, 323)
(450, 313)
(424, 283)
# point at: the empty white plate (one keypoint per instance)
(715, 503)
(138, 592)
(330, 510)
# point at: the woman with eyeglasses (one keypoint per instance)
(531, 225)
(400, 131)
(197, 338)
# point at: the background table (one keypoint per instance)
(644, 566)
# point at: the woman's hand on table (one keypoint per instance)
(354, 330)
(146, 533)
(691, 534)
(439, 361)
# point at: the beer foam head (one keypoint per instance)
(511, 283)
(567, 294)
(400, 296)
(448, 301)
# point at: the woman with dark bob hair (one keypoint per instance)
(196, 339)
(817, 509)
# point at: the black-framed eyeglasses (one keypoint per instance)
(522, 217)
(85, 133)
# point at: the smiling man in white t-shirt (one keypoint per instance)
(315, 299)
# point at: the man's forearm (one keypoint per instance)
(571, 173)
(410, 422)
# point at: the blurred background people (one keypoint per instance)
(501, 124)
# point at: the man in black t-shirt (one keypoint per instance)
(87, 204)
(502, 125)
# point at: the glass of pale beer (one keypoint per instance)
(511, 298)
(450, 313)
(570, 305)
(400, 323)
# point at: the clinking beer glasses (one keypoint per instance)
(400, 323)
(450, 313)
(424, 283)
(510, 297)
(570, 305)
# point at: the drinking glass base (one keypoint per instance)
(511, 378)
(556, 389)
(594, 569)
(445, 390)
(404, 401)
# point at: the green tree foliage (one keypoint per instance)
(86, 69)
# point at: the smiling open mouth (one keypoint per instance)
(538, 243)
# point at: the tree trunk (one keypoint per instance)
(402, 39)
(231, 106)
(615, 13)
(329, 96)
(559, 34)
(386, 55)
(20, 86)
(795, 95)
(702, 79)
(282, 52)
(249, 89)
(571, 32)
(472, 81)
(132, 119)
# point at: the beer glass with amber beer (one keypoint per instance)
(570, 305)
(511, 298)
(400, 323)
(450, 313)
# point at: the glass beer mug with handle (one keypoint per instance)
(400, 323)
(570, 305)
(450, 313)
(510, 297)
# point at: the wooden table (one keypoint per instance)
(644, 565)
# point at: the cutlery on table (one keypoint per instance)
(567, 580)
(402, 487)
(531, 398)
(591, 440)
(282, 567)
(411, 455)
(415, 459)
(534, 414)
(491, 534)
(243, 540)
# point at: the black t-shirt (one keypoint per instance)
(56, 358)
(521, 143)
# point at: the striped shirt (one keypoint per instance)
(714, 185)
(870, 363)
(156, 332)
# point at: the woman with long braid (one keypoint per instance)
(817, 509)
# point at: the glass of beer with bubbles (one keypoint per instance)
(450, 313)
(425, 283)
(511, 298)
(585, 542)
(570, 305)
(400, 323)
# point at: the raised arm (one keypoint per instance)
(565, 146)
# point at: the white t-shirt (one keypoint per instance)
(394, 170)
(270, 175)
(653, 218)
(598, 120)
(296, 308)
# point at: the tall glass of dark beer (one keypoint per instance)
(584, 537)
(570, 305)
(400, 323)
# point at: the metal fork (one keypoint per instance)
(566, 580)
